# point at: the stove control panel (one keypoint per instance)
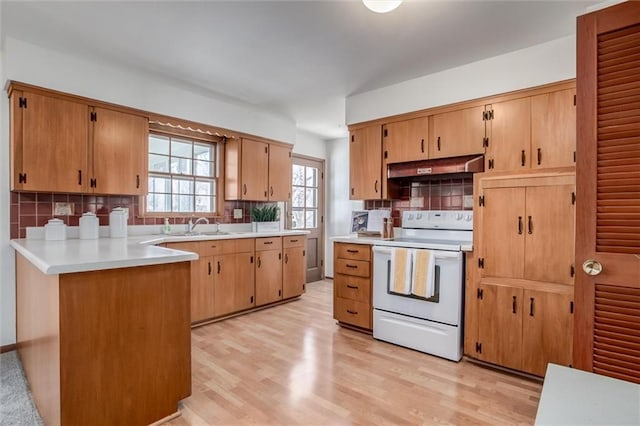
(438, 219)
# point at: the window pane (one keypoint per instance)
(159, 144)
(182, 186)
(310, 221)
(204, 187)
(204, 204)
(311, 197)
(202, 151)
(203, 168)
(181, 148)
(298, 175)
(159, 203)
(298, 219)
(158, 163)
(159, 184)
(297, 198)
(182, 203)
(181, 166)
(312, 176)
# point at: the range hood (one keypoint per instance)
(440, 166)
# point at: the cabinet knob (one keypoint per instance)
(592, 267)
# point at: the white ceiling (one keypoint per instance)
(297, 58)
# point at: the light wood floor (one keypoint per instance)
(293, 365)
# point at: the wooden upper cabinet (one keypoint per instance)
(48, 143)
(365, 163)
(406, 140)
(457, 133)
(509, 135)
(257, 171)
(119, 152)
(553, 129)
(280, 165)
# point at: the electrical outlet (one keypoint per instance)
(237, 213)
(63, 209)
(467, 201)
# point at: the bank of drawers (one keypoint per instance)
(352, 284)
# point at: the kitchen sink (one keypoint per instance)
(198, 234)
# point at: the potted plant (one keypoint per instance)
(265, 218)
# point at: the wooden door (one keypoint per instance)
(502, 225)
(549, 234)
(293, 272)
(279, 173)
(547, 329)
(553, 129)
(607, 315)
(457, 133)
(500, 325)
(509, 133)
(406, 140)
(202, 290)
(49, 143)
(119, 152)
(268, 276)
(255, 170)
(233, 283)
(306, 211)
(365, 163)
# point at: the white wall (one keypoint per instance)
(310, 145)
(544, 63)
(339, 206)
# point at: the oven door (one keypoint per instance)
(445, 307)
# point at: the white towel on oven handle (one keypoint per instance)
(400, 270)
(423, 274)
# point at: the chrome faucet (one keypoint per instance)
(191, 225)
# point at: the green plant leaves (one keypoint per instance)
(266, 213)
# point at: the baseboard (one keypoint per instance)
(8, 348)
(510, 371)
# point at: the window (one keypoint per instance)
(182, 175)
(304, 200)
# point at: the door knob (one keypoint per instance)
(592, 267)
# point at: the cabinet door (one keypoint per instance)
(49, 143)
(255, 170)
(119, 152)
(553, 129)
(202, 289)
(549, 238)
(406, 140)
(293, 273)
(457, 133)
(365, 163)
(280, 165)
(500, 325)
(502, 224)
(547, 325)
(509, 133)
(268, 276)
(233, 283)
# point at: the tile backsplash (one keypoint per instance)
(36, 208)
(435, 194)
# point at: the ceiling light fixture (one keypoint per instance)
(381, 6)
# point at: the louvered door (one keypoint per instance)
(607, 317)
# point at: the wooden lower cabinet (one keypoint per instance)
(233, 283)
(523, 328)
(352, 285)
(268, 270)
(293, 266)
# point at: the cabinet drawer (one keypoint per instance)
(354, 288)
(271, 243)
(194, 247)
(294, 241)
(353, 251)
(352, 312)
(357, 268)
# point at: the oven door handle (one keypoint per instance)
(439, 254)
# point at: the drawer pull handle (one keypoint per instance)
(294, 241)
(353, 251)
(352, 266)
(268, 242)
(355, 287)
(352, 312)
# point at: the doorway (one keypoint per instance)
(306, 210)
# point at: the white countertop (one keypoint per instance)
(575, 397)
(354, 239)
(74, 255)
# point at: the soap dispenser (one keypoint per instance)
(166, 228)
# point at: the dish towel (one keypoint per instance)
(422, 281)
(400, 279)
